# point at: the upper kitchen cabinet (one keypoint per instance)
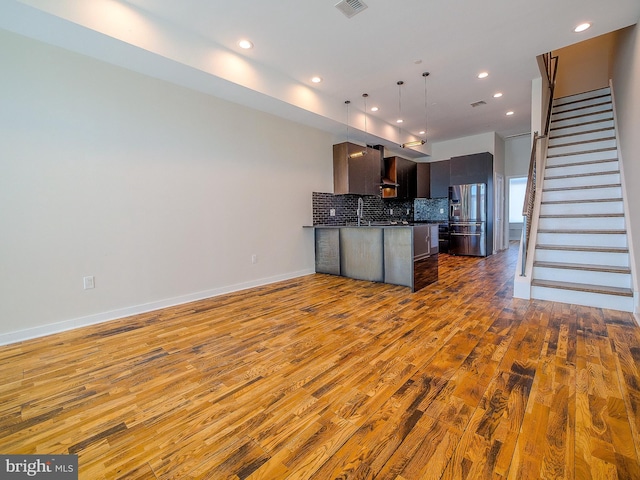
(440, 179)
(476, 168)
(400, 178)
(423, 182)
(355, 172)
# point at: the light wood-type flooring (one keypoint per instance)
(324, 377)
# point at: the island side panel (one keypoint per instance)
(398, 256)
(361, 253)
(328, 250)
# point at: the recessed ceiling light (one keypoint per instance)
(483, 75)
(497, 95)
(399, 120)
(246, 44)
(509, 113)
(582, 27)
(421, 132)
(374, 109)
(316, 79)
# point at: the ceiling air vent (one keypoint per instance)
(350, 7)
(478, 104)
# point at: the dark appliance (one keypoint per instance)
(443, 237)
(425, 256)
(468, 219)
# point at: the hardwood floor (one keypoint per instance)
(324, 377)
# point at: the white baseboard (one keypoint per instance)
(48, 329)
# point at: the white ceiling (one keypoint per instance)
(194, 43)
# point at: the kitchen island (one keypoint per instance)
(398, 254)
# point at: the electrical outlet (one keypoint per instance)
(88, 282)
(442, 210)
(332, 212)
(391, 211)
(408, 210)
(254, 258)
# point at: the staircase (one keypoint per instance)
(581, 253)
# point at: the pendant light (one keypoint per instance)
(399, 120)
(417, 143)
(357, 154)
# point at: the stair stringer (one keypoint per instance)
(628, 219)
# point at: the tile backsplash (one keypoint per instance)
(431, 209)
(345, 206)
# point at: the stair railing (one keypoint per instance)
(551, 68)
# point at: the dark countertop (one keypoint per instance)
(379, 224)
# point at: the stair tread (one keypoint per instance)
(583, 152)
(609, 110)
(583, 132)
(597, 93)
(577, 248)
(580, 124)
(583, 215)
(583, 266)
(624, 292)
(583, 107)
(581, 187)
(587, 174)
(587, 200)
(582, 142)
(583, 231)
(586, 162)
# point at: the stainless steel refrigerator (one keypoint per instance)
(468, 219)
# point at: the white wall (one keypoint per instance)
(626, 78)
(484, 142)
(160, 192)
(517, 156)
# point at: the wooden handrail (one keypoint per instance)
(551, 64)
(529, 201)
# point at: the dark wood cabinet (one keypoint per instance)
(400, 177)
(440, 179)
(476, 168)
(356, 173)
(423, 180)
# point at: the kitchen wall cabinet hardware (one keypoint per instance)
(361, 175)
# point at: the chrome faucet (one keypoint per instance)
(360, 211)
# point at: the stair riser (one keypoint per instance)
(580, 128)
(584, 137)
(583, 157)
(582, 208)
(579, 104)
(582, 96)
(588, 118)
(582, 112)
(582, 168)
(581, 223)
(582, 147)
(582, 194)
(583, 258)
(613, 302)
(586, 181)
(582, 240)
(587, 277)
